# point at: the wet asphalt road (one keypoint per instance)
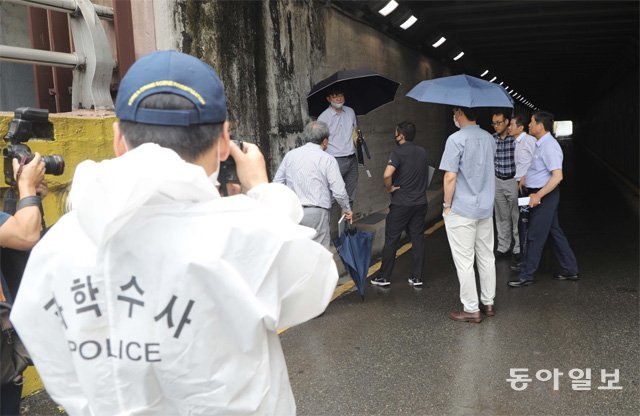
(397, 353)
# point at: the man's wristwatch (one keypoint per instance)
(445, 205)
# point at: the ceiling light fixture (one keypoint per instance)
(409, 22)
(391, 6)
(439, 41)
(493, 79)
(458, 56)
(486, 71)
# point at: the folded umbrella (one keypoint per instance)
(363, 90)
(354, 248)
(461, 90)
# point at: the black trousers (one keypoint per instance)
(400, 218)
(10, 395)
(543, 223)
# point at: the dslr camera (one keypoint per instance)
(228, 173)
(28, 123)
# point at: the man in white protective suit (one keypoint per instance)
(156, 296)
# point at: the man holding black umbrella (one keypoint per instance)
(342, 123)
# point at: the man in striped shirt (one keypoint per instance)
(506, 200)
(315, 177)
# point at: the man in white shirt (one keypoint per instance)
(315, 177)
(342, 123)
(525, 146)
(156, 296)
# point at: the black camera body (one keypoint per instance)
(228, 171)
(28, 123)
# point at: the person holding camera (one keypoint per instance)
(314, 176)
(20, 231)
(154, 295)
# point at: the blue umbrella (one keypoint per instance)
(354, 248)
(463, 91)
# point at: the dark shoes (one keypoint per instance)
(380, 281)
(487, 310)
(520, 283)
(462, 316)
(566, 276)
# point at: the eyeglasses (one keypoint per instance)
(497, 123)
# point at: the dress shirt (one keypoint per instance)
(523, 153)
(547, 157)
(469, 152)
(314, 176)
(504, 163)
(341, 125)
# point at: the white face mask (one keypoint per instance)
(337, 106)
(214, 176)
(456, 122)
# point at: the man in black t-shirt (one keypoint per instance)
(405, 178)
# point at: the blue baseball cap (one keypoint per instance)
(176, 73)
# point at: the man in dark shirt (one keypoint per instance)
(405, 178)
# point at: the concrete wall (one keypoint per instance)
(270, 54)
(610, 128)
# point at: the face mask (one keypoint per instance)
(337, 106)
(214, 176)
(456, 122)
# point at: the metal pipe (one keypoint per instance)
(66, 6)
(38, 57)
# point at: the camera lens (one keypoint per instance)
(53, 165)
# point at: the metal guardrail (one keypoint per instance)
(92, 62)
(66, 6)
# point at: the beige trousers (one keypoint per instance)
(471, 239)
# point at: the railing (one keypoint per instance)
(92, 62)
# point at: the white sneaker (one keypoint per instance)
(380, 281)
(415, 282)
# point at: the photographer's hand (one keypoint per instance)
(21, 231)
(42, 189)
(31, 175)
(250, 165)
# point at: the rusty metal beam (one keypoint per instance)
(123, 27)
(43, 75)
(62, 77)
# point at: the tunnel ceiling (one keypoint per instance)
(560, 55)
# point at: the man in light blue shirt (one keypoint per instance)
(314, 176)
(342, 123)
(469, 193)
(525, 146)
(541, 184)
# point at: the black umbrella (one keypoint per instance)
(363, 90)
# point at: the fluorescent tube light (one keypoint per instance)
(439, 42)
(409, 22)
(391, 6)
